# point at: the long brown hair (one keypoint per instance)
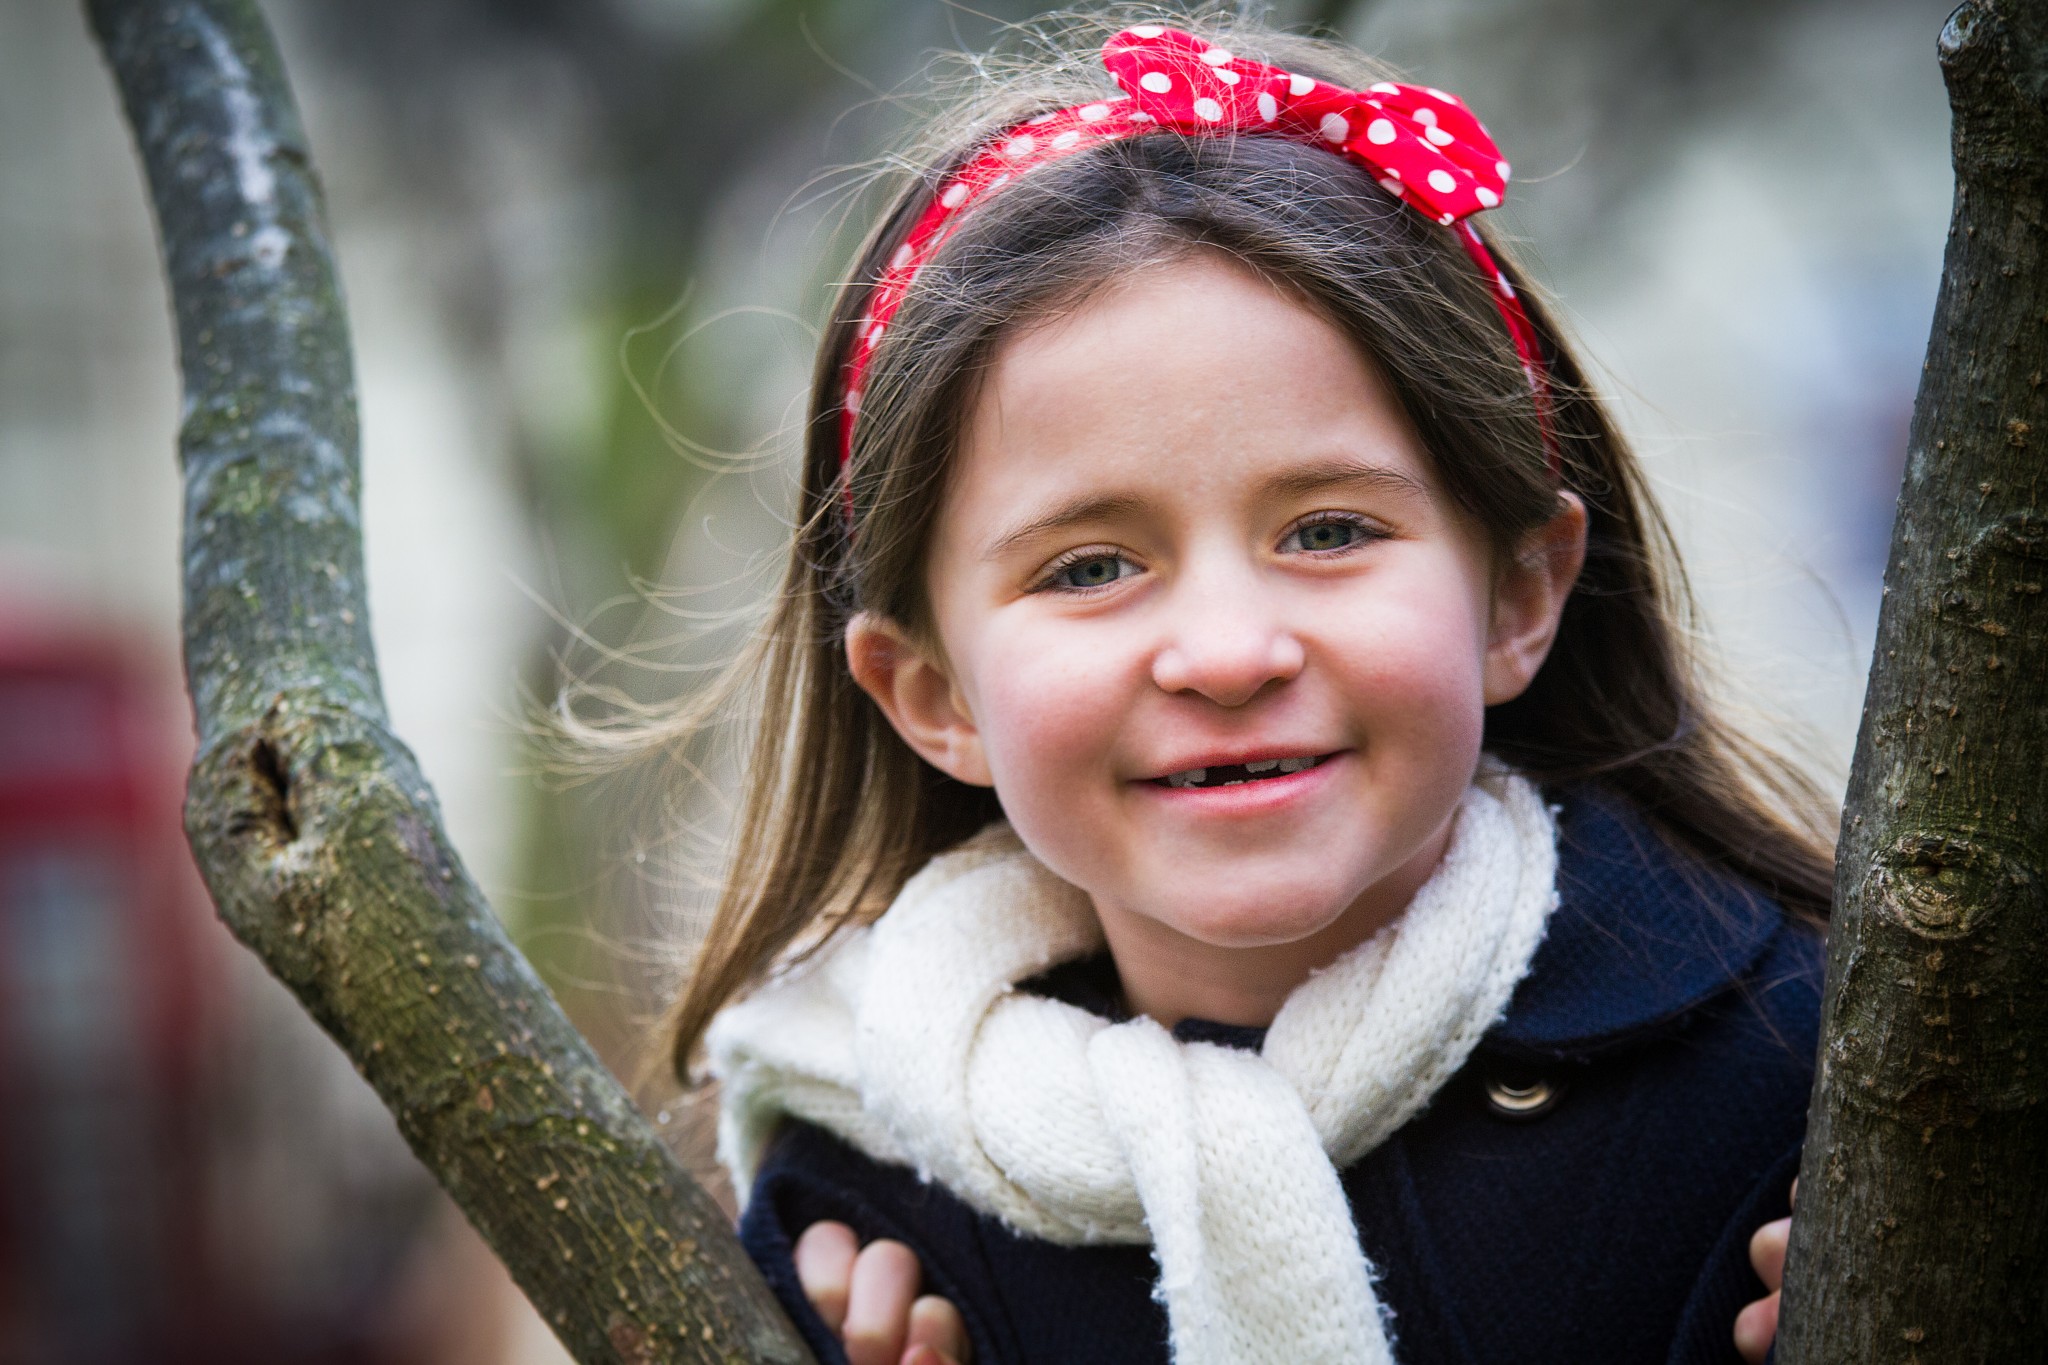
(838, 812)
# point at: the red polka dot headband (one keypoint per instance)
(1422, 146)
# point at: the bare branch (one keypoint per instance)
(319, 839)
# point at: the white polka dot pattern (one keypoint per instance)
(1189, 85)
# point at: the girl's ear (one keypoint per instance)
(1529, 598)
(916, 692)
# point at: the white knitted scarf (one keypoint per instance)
(908, 1041)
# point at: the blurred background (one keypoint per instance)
(585, 241)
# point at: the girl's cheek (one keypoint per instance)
(1049, 706)
(1053, 711)
(1416, 673)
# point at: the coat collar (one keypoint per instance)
(1642, 935)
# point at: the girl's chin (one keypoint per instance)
(1261, 924)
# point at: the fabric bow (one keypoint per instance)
(1422, 144)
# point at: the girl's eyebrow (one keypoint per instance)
(1086, 507)
(1320, 474)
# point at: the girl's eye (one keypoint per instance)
(1089, 569)
(1327, 534)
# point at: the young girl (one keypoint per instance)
(1236, 865)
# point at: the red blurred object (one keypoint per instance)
(188, 1171)
(106, 974)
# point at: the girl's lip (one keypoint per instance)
(1247, 798)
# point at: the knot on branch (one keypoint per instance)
(291, 811)
(1944, 886)
(253, 778)
(270, 813)
(1959, 34)
(1994, 57)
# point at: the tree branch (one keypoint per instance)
(1923, 1222)
(316, 834)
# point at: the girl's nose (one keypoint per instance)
(1227, 648)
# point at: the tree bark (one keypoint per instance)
(1923, 1221)
(317, 836)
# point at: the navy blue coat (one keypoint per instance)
(1671, 1013)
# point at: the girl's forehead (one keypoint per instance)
(1184, 378)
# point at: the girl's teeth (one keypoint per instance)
(1196, 777)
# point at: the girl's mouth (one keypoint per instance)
(1235, 774)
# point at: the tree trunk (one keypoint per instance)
(1923, 1219)
(319, 840)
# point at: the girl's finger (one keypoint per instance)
(1755, 1328)
(885, 1278)
(1767, 1252)
(935, 1323)
(824, 1266)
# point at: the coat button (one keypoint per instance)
(1521, 1097)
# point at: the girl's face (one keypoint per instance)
(1205, 620)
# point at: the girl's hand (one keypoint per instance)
(868, 1295)
(1756, 1326)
